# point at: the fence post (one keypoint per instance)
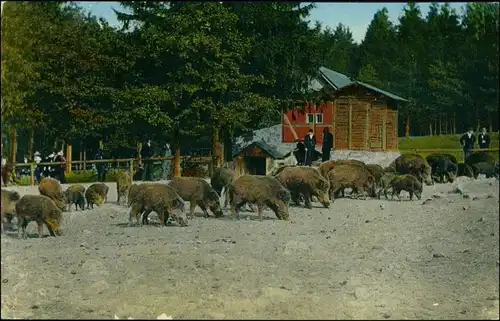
(131, 169)
(32, 174)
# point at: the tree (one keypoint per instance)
(368, 75)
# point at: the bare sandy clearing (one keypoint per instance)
(358, 259)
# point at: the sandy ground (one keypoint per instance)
(360, 259)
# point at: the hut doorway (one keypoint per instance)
(255, 165)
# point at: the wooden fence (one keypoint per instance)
(130, 161)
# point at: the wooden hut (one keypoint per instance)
(365, 118)
(257, 158)
(360, 116)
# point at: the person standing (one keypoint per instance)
(146, 154)
(483, 139)
(38, 169)
(167, 163)
(300, 152)
(310, 144)
(467, 141)
(100, 167)
(60, 168)
(327, 144)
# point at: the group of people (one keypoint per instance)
(306, 153)
(468, 140)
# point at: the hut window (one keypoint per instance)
(319, 118)
(309, 118)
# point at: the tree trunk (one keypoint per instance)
(490, 122)
(216, 149)
(31, 137)
(440, 125)
(177, 157)
(228, 146)
(454, 123)
(446, 121)
(407, 126)
(430, 128)
(13, 145)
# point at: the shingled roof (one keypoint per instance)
(337, 81)
(273, 152)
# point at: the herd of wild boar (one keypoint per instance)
(409, 172)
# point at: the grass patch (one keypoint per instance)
(443, 144)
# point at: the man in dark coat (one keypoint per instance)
(310, 143)
(483, 139)
(327, 144)
(101, 168)
(146, 154)
(467, 141)
(300, 152)
(59, 169)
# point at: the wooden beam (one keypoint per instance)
(334, 119)
(294, 133)
(384, 130)
(69, 158)
(349, 138)
(13, 145)
(367, 124)
(177, 159)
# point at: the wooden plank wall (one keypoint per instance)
(391, 130)
(341, 123)
(358, 124)
(375, 126)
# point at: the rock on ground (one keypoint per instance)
(357, 260)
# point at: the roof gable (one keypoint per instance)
(333, 78)
(271, 151)
(373, 88)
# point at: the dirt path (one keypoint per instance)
(357, 260)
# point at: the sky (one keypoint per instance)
(356, 16)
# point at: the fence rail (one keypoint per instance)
(130, 161)
(417, 150)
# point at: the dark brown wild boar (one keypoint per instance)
(96, 193)
(42, 210)
(443, 167)
(51, 188)
(412, 164)
(75, 194)
(385, 183)
(351, 176)
(9, 201)
(465, 170)
(123, 182)
(261, 191)
(377, 172)
(407, 183)
(197, 192)
(325, 167)
(305, 181)
(221, 179)
(159, 198)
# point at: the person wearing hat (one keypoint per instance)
(60, 168)
(38, 170)
(483, 139)
(467, 142)
(310, 144)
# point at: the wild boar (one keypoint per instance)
(484, 168)
(51, 188)
(305, 181)
(351, 176)
(443, 167)
(465, 170)
(9, 201)
(96, 193)
(385, 183)
(75, 194)
(325, 167)
(412, 164)
(123, 182)
(42, 210)
(479, 157)
(160, 198)
(407, 183)
(220, 181)
(198, 192)
(377, 172)
(261, 191)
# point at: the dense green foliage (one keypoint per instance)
(184, 71)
